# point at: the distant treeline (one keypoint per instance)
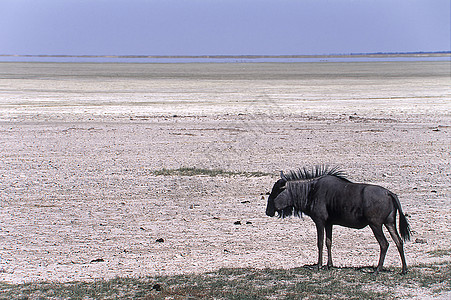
(376, 54)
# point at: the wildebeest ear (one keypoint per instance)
(283, 176)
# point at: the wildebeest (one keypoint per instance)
(329, 198)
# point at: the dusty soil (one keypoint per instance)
(78, 150)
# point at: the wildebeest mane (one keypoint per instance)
(300, 185)
(313, 173)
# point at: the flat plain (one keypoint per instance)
(99, 161)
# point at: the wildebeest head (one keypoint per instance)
(279, 200)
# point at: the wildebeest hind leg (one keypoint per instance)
(395, 236)
(378, 233)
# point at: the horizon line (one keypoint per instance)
(248, 56)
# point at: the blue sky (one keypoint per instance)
(222, 27)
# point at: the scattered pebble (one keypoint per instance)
(237, 223)
(421, 241)
(157, 287)
(97, 260)
(160, 240)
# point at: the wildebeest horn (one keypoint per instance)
(283, 176)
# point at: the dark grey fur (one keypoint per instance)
(329, 198)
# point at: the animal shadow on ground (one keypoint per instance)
(363, 269)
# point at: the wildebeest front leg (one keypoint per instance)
(329, 245)
(378, 233)
(320, 241)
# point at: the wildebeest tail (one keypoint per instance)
(404, 227)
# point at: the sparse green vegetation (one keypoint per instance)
(298, 283)
(188, 171)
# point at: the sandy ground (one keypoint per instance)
(78, 148)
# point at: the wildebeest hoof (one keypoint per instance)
(314, 267)
(366, 269)
(377, 271)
